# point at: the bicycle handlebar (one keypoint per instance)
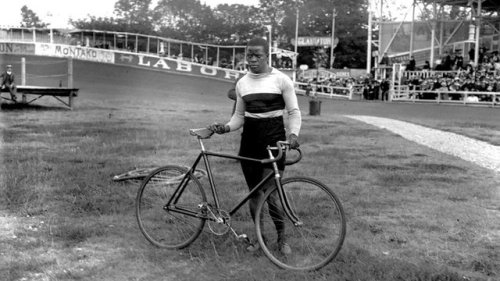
(280, 145)
(205, 133)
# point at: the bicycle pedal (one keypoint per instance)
(243, 237)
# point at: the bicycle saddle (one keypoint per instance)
(202, 133)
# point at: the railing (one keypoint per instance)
(427, 74)
(209, 54)
(403, 93)
(319, 90)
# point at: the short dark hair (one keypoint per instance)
(258, 41)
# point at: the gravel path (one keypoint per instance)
(478, 152)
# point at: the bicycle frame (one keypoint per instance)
(170, 206)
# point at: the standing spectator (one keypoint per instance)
(411, 64)
(7, 80)
(459, 62)
(365, 91)
(472, 54)
(447, 62)
(384, 88)
(482, 53)
(309, 89)
(375, 90)
(384, 60)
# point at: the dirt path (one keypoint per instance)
(478, 152)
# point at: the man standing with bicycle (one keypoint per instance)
(262, 96)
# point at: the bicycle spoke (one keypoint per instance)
(314, 243)
(169, 229)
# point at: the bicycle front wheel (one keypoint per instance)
(169, 228)
(311, 244)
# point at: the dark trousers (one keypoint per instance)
(257, 135)
(12, 89)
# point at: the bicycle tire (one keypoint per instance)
(141, 173)
(163, 228)
(136, 174)
(318, 240)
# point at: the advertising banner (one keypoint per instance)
(313, 41)
(75, 52)
(175, 65)
(326, 74)
(341, 73)
(17, 48)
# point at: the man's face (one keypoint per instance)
(9, 70)
(257, 59)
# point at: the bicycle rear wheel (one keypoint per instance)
(314, 243)
(164, 228)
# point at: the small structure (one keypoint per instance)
(56, 92)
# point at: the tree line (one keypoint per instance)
(235, 24)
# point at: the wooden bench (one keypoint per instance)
(55, 92)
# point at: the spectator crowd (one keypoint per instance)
(365, 86)
(452, 75)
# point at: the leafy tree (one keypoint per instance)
(136, 15)
(97, 23)
(183, 19)
(133, 16)
(236, 24)
(30, 18)
(443, 12)
(315, 19)
(133, 11)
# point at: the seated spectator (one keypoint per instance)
(7, 81)
(427, 65)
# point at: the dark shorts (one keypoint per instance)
(257, 135)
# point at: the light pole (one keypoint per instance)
(369, 43)
(270, 28)
(334, 14)
(295, 48)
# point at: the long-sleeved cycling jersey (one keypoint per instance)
(266, 95)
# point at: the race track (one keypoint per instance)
(98, 81)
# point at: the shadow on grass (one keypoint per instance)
(30, 107)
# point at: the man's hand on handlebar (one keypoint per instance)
(293, 141)
(219, 128)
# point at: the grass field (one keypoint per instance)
(413, 213)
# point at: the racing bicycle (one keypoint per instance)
(172, 214)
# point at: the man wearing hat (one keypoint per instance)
(7, 81)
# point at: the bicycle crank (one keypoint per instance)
(219, 224)
(242, 236)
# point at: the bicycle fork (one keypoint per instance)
(283, 198)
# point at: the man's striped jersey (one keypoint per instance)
(266, 95)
